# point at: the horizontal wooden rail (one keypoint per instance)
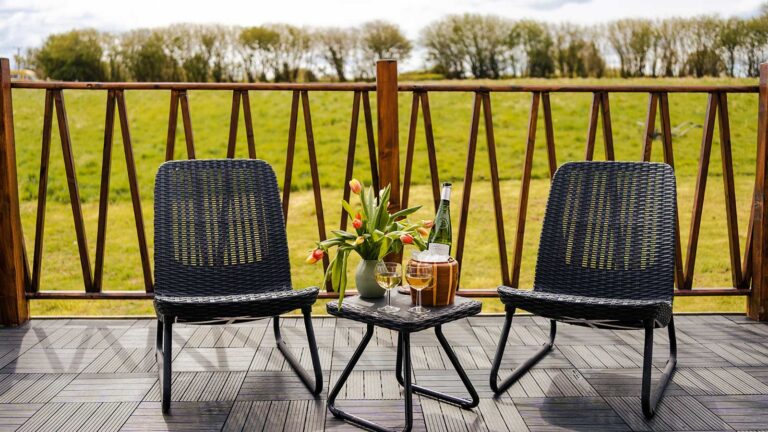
(407, 87)
(472, 293)
(536, 88)
(68, 85)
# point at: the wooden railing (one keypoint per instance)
(20, 282)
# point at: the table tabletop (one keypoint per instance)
(366, 311)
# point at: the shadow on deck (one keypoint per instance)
(71, 375)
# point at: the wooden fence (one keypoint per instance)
(20, 282)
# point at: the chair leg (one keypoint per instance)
(649, 401)
(317, 386)
(164, 357)
(499, 388)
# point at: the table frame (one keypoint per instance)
(403, 361)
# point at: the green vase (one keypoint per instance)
(365, 280)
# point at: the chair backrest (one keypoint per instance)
(219, 229)
(609, 231)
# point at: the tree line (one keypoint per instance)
(453, 47)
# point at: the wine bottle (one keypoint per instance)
(439, 241)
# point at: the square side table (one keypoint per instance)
(405, 323)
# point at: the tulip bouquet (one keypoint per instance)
(376, 234)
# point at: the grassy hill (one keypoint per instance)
(451, 115)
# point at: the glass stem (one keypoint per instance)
(389, 297)
(420, 304)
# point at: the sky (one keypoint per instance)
(26, 23)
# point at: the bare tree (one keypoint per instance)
(292, 53)
(732, 39)
(257, 47)
(755, 44)
(537, 46)
(444, 50)
(337, 47)
(384, 40)
(667, 45)
(632, 40)
(702, 40)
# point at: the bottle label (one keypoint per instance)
(446, 194)
(439, 249)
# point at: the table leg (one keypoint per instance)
(407, 393)
(404, 345)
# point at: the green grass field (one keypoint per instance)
(451, 114)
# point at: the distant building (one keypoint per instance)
(24, 75)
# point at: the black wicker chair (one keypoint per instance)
(221, 255)
(606, 260)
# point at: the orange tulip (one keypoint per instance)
(315, 256)
(355, 186)
(357, 223)
(406, 239)
(428, 223)
(359, 240)
(423, 231)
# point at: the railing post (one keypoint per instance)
(14, 309)
(389, 143)
(757, 306)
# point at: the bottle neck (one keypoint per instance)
(445, 195)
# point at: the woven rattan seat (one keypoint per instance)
(221, 255)
(606, 259)
(602, 312)
(202, 308)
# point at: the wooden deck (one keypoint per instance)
(73, 375)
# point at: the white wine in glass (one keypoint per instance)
(419, 276)
(388, 276)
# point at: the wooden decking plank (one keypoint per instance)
(315, 416)
(530, 386)
(40, 417)
(545, 382)
(434, 358)
(493, 419)
(355, 386)
(232, 386)
(213, 359)
(569, 413)
(104, 388)
(16, 384)
(453, 418)
(53, 360)
(631, 416)
(59, 419)
(80, 417)
(372, 385)
(433, 415)
(602, 354)
(297, 411)
(196, 386)
(695, 414)
(14, 415)
(210, 339)
(46, 388)
(277, 415)
(237, 417)
(739, 412)
(185, 416)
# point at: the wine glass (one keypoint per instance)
(419, 276)
(388, 275)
